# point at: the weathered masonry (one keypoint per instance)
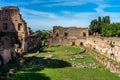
(104, 46)
(15, 36)
(69, 36)
(110, 47)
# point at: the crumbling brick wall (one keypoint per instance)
(103, 46)
(14, 27)
(68, 36)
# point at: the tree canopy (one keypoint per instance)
(111, 30)
(44, 34)
(97, 24)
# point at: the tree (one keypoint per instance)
(111, 30)
(93, 26)
(97, 24)
(44, 35)
(107, 20)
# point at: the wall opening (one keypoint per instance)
(84, 34)
(1, 60)
(19, 26)
(57, 34)
(81, 43)
(66, 34)
(73, 43)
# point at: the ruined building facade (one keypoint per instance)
(68, 36)
(109, 47)
(15, 36)
(11, 21)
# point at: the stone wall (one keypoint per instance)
(33, 41)
(15, 36)
(68, 36)
(7, 50)
(75, 35)
(100, 44)
(115, 68)
(12, 21)
(103, 46)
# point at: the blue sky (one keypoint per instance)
(44, 14)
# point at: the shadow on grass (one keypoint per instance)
(29, 76)
(40, 49)
(5, 68)
(48, 51)
(46, 63)
(33, 66)
(35, 50)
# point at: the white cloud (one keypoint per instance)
(45, 20)
(77, 19)
(39, 14)
(72, 2)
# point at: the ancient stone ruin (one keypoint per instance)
(108, 47)
(68, 36)
(15, 36)
(16, 39)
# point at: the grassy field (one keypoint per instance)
(62, 63)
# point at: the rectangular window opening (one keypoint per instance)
(19, 26)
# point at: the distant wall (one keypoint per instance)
(68, 36)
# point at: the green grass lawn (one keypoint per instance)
(60, 66)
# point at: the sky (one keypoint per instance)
(44, 14)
